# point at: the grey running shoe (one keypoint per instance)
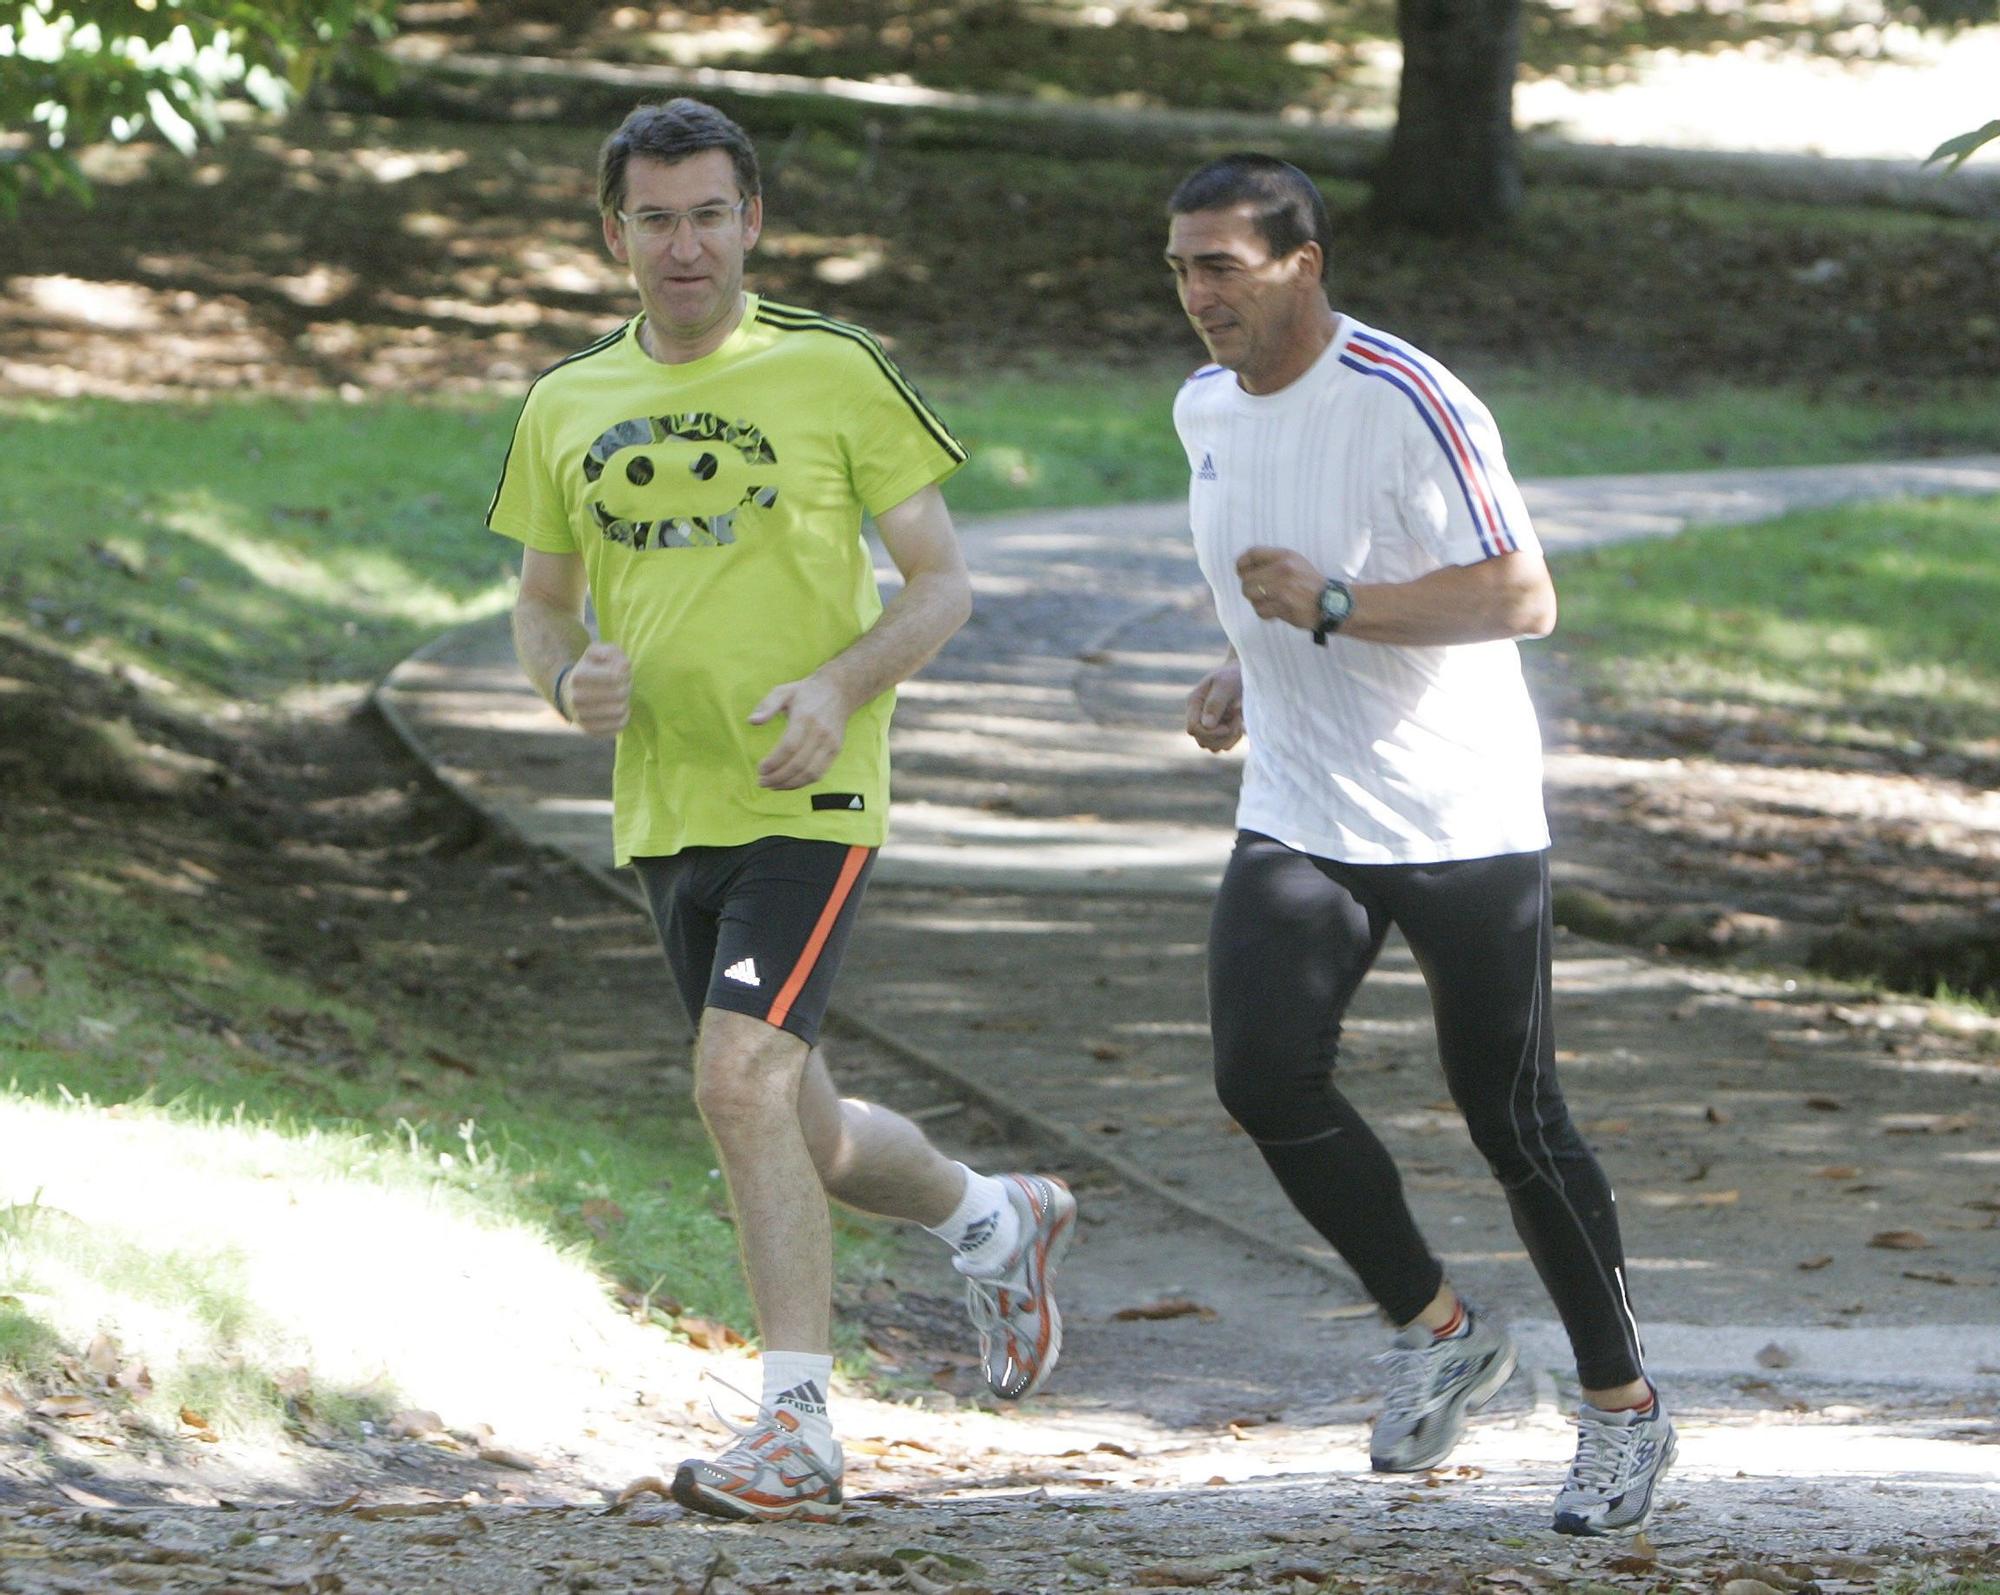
(769, 1476)
(1014, 1309)
(1432, 1385)
(1620, 1459)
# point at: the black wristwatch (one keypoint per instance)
(1336, 603)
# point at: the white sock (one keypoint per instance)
(797, 1381)
(985, 1228)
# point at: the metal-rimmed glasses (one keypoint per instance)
(664, 224)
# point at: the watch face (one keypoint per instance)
(1335, 603)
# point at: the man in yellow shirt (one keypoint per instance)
(701, 473)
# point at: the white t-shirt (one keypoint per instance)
(1378, 466)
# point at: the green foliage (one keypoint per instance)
(1868, 625)
(187, 1017)
(1955, 152)
(74, 72)
(242, 550)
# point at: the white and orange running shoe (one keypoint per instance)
(1014, 1308)
(769, 1476)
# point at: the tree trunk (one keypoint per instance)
(1453, 165)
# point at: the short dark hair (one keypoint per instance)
(672, 131)
(1289, 210)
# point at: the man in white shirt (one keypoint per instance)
(1372, 564)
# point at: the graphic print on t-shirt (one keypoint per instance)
(677, 481)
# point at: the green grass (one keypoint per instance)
(159, 1061)
(250, 549)
(1869, 625)
(247, 549)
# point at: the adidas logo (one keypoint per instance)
(978, 1232)
(743, 972)
(804, 1397)
(1207, 471)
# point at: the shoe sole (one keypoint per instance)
(691, 1493)
(1059, 1239)
(1577, 1524)
(1489, 1385)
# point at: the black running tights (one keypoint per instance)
(1291, 939)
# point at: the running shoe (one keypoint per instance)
(1014, 1308)
(1433, 1384)
(770, 1475)
(1620, 1460)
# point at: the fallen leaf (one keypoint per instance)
(1715, 1115)
(1105, 1051)
(1749, 1586)
(1774, 1356)
(601, 1217)
(118, 1524)
(708, 1336)
(1610, 1127)
(396, 1511)
(66, 1407)
(1930, 1124)
(1691, 1198)
(651, 1484)
(1812, 1263)
(1776, 1577)
(1899, 1240)
(1826, 1104)
(413, 1423)
(1836, 1171)
(1937, 1278)
(104, 1358)
(446, 1060)
(502, 1457)
(1169, 1307)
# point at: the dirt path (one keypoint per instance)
(1809, 1179)
(1836, 1389)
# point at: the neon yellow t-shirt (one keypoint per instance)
(717, 506)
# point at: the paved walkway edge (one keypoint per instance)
(1011, 1116)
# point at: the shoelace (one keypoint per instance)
(982, 1299)
(1411, 1392)
(1603, 1455)
(752, 1437)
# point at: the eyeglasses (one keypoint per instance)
(667, 223)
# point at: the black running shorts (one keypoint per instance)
(757, 929)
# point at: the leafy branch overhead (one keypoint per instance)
(77, 72)
(1956, 151)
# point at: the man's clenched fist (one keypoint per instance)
(598, 691)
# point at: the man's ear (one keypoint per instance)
(614, 237)
(1311, 259)
(753, 222)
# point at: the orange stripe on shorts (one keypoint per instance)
(795, 982)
